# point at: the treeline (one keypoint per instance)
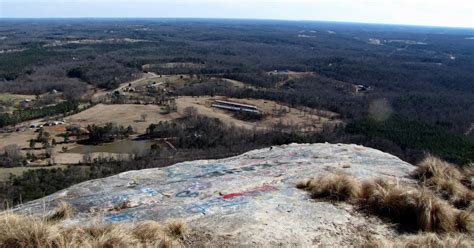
(107, 133)
(415, 137)
(198, 137)
(201, 132)
(28, 114)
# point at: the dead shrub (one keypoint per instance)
(453, 191)
(29, 231)
(468, 179)
(446, 180)
(465, 221)
(430, 240)
(434, 214)
(303, 184)
(175, 229)
(26, 231)
(61, 212)
(339, 187)
(103, 235)
(148, 230)
(432, 166)
(415, 208)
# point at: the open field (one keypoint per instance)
(19, 138)
(14, 97)
(9, 102)
(121, 114)
(306, 120)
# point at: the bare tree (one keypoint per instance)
(144, 116)
(190, 112)
(13, 152)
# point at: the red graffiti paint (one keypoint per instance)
(231, 195)
(261, 189)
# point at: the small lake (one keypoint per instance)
(140, 147)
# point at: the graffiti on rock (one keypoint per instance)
(186, 193)
(120, 217)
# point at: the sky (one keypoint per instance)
(449, 13)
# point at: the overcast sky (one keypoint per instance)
(455, 13)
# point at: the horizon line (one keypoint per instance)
(242, 18)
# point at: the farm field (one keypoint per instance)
(121, 114)
(10, 102)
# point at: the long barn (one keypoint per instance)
(234, 106)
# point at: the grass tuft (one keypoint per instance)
(103, 235)
(339, 187)
(446, 180)
(465, 222)
(414, 208)
(430, 240)
(468, 172)
(61, 212)
(432, 166)
(29, 231)
(175, 229)
(26, 231)
(453, 191)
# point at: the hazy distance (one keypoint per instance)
(454, 13)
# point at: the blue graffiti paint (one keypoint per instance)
(187, 193)
(119, 199)
(203, 207)
(234, 202)
(199, 185)
(149, 191)
(118, 217)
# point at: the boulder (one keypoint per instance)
(247, 200)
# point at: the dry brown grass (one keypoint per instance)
(465, 221)
(453, 191)
(468, 172)
(100, 235)
(432, 166)
(61, 212)
(412, 207)
(415, 208)
(26, 231)
(446, 180)
(430, 240)
(339, 187)
(175, 229)
(18, 231)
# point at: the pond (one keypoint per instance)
(128, 146)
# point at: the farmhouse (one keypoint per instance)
(360, 88)
(25, 103)
(154, 85)
(234, 106)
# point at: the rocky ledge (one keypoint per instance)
(247, 200)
